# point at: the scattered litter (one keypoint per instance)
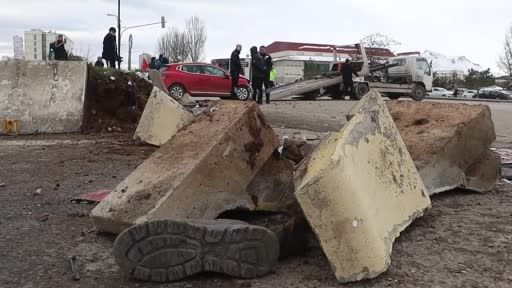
(214, 109)
(37, 192)
(2, 185)
(91, 197)
(112, 78)
(73, 260)
(43, 218)
(130, 83)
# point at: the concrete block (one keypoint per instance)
(272, 188)
(162, 118)
(156, 79)
(449, 143)
(201, 172)
(44, 97)
(359, 189)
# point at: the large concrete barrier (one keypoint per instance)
(199, 173)
(43, 97)
(359, 189)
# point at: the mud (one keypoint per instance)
(114, 101)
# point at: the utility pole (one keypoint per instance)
(119, 33)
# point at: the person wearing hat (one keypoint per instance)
(109, 48)
(235, 68)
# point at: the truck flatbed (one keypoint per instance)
(304, 86)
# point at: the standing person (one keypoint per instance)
(258, 75)
(235, 68)
(59, 49)
(99, 63)
(268, 67)
(273, 75)
(348, 83)
(109, 48)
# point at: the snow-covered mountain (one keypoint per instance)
(442, 62)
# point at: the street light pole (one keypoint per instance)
(119, 33)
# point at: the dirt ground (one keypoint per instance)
(465, 240)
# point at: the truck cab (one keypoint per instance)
(411, 70)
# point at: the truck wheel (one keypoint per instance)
(418, 92)
(394, 96)
(360, 91)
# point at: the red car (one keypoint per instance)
(199, 79)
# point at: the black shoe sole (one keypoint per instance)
(170, 250)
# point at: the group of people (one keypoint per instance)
(263, 72)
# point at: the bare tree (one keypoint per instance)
(505, 60)
(195, 29)
(378, 40)
(174, 44)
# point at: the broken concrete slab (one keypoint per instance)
(296, 150)
(162, 118)
(359, 189)
(449, 143)
(272, 188)
(202, 171)
(41, 97)
(156, 79)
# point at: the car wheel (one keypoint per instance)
(177, 91)
(418, 92)
(242, 93)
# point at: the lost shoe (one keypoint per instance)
(170, 250)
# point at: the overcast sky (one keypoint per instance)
(471, 28)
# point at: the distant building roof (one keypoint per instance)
(409, 53)
(279, 46)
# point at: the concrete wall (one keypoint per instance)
(45, 97)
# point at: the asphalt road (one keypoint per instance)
(329, 115)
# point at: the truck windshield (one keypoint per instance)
(422, 65)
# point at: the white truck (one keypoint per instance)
(401, 76)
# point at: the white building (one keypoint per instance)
(37, 44)
(17, 44)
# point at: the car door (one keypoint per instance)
(192, 78)
(219, 83)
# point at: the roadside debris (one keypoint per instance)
(189, 176)
(73, 261)
(161, 119)
(359, 189)
(92, 197)
(224, 246)
(449, 143)
(37, 192)
(2, 185)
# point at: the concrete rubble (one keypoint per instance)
(449, 143)
(156, 79)
(359, 189)
(41, 97)
(163, 117)
(199, 173)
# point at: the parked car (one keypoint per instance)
(439, 92)
(201, 79)
(494, 94)
(470, 94)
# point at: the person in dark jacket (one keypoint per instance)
(268, 67)
(59, 49)
(348, 83)
(258, 75)
(110, 48)
(235, 68)
(99, 63)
